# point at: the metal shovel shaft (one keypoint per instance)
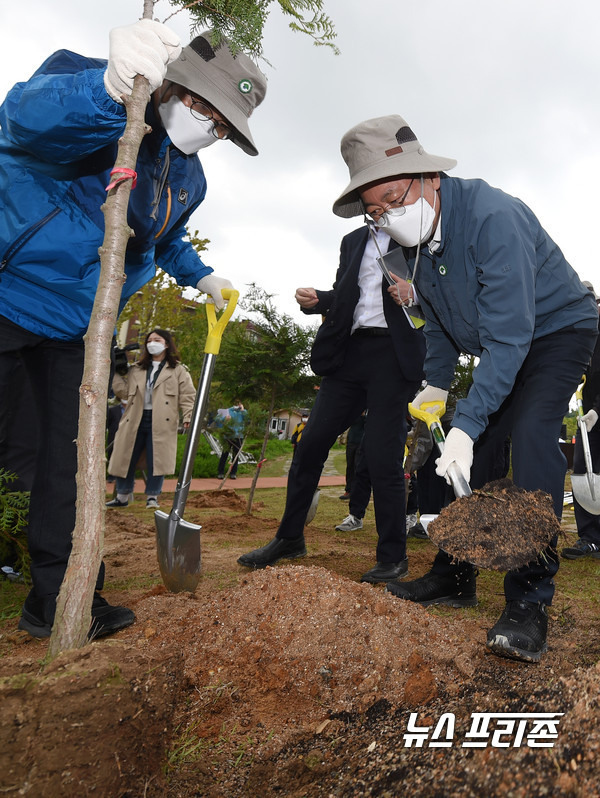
(430, 413)
(178, 541)
(193, 436)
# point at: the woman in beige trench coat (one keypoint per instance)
(156, 388)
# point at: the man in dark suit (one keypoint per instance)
(370, 356)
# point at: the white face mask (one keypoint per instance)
(410, 224)
(187, 133)
(155, 347)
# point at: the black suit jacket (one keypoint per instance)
(338, 307)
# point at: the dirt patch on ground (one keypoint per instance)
(500, 526)
(293, 681)
(93, 721)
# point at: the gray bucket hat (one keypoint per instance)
(381, 148)
(233, 84)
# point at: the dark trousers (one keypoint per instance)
(352, 454)
(55, 369)
(360, 487)
(532, 415)
(233, 445)
(369, 378)
(588, 525)
(143, 443)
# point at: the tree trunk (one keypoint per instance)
(262, 452)
(74, 603)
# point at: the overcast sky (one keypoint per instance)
(508, 89)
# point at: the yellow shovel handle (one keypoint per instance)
(216, 328)
(429, 412)
(579, 396)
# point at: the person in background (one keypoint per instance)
(60, 132)
(297, 433)
(360, 495)
(588, 525)
(156, 389)
(370, 355)
(354, 438)
(492, 284)
(235, 423)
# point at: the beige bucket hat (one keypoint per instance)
(233, 84)
(377, 149)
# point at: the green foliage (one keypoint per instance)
(243, 21)
(266, 357)
(157, 304)
(463, 377)
(14, 510)
(205, 463)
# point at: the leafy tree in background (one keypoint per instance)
(266, 359)
(160, 302)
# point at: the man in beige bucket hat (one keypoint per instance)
(491, 283)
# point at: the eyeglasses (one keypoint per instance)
(204, 113)
(377, 213)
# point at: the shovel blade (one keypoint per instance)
(312, 510)
(178, 552)
(586, 489)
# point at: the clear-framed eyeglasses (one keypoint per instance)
(204, 113)
(397, 204)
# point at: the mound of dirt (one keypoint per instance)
(291, 646)
(500, 527)
(226, 498)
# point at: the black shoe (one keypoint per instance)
(521, 631)
(116, 503)
(37, 617)
(33, 618)
(417, 531)
(107, 619)
(581, 548)
(453, 590)
(277, 549)
(386, 571)
(345, 497)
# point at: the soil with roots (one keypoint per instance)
(500, 526)
(300, 681)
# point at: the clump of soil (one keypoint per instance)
(501, 526)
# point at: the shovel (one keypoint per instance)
(430, 413)
(177, 540)
(586, 487)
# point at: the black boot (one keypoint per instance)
(457, 588)
(277, 549)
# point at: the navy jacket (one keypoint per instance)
(496, 283)
(338, 305)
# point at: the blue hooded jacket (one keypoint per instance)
(496, 283)
(58, 143)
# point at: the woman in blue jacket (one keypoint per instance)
(491, 283)
(59, 138)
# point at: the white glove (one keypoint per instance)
(459, 449)
(589, 419)
(144, 48)
(211, 284)
(430, 394)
